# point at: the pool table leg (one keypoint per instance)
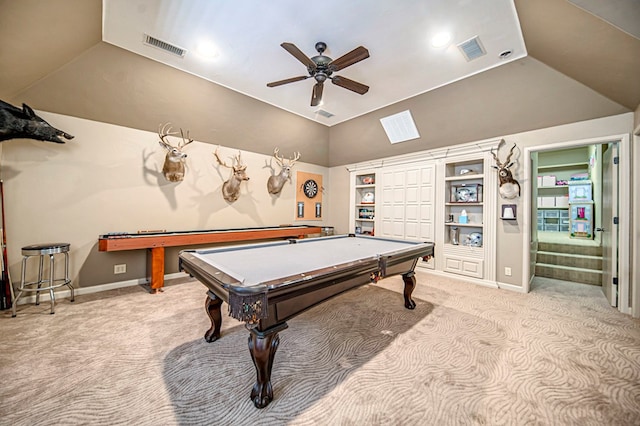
(409, 284)
(212, 306)
(263, 346)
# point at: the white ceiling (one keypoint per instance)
(248, 34)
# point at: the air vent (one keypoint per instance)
(472, 49)
(167, 47)
(324, 113)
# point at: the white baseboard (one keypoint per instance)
(484, 283)
(66, 293)
(511, 287)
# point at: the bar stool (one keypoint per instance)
(40, 251)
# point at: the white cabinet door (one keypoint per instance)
(408, 206)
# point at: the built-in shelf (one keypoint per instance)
(472, 225)
(564, 166)
(462, 204)
(464, 177)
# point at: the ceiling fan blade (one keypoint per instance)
(297, 53)
(288, 80)
(354, 86)
(316, 95)
(356, 55)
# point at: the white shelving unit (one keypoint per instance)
(464, 246)
(363, 202)
(555, 218)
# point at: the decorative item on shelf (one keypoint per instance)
(318, 210)
(474, 239)
(464, 172)
(365, 213)
(454, 235)
(368, 180)
(509, 187)
(368, 198)
(463, 217)
(508, 212)
(450, 219)
(466, 193)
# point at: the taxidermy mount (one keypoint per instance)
(174, 161)
(231, 187)
(276, 182)
(509, 187)
(16, 123)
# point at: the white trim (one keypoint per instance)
(65, 294)
(482, 146)
(624, 211)
(484, 283)
(511, 287)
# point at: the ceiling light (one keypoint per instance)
(207, 50)
(441, 39)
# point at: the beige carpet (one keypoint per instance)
(467, 355)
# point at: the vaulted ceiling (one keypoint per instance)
(571, 62)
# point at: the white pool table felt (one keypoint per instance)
(270, 261)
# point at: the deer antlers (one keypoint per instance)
(280, 160)
(507, 163)
(164, 132)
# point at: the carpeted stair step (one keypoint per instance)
(569, 273)
(569, 259)
(570, 249)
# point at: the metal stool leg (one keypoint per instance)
(41, 258)
(51, 283)
(14, 305)
(66, 275)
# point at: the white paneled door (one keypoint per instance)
(408, 206)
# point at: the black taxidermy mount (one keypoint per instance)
(16, 123)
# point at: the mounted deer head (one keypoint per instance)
(276, 182)
(231, 188)
(174, 161)
(509, 187)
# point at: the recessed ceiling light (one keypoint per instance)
(505, 54)
(441, 39)
(207, 49)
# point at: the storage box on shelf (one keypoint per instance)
(464, 217)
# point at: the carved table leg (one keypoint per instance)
(212, 306)
(263, 346)
(409, 284)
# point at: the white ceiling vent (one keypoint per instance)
(472, 48)
(163, 45)
(324, 113)
(400, 127)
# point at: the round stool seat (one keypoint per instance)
(44, 249)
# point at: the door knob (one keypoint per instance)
(600, 229)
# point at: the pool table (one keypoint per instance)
(266, 284)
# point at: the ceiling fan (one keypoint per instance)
(322, 67)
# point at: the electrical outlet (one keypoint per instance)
(120, 269)
(507, 271)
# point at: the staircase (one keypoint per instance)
(570, 262)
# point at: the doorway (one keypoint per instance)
(601, 232)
